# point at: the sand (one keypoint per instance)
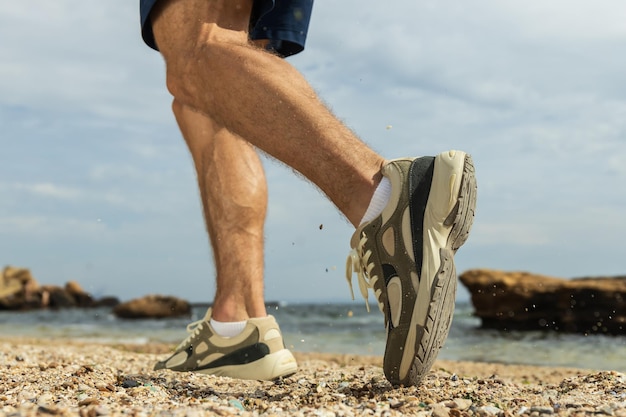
(70, 378)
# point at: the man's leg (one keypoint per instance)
(234, 200)
(212, 69)
(405, 253)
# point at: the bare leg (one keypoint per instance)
(234, 198)
(229, 95)
(212, 69)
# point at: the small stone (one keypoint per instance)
(130, 383)
(237, 404)
(26, 395)
(88, 412)
(102, 410)
(395, 404)
(48, 409)
(605, 409)
(542, 410)
(489, 410)
(45, 399)
(440, 410)
(460, 404)
(88, 401)
(103, 386)
(83, 387)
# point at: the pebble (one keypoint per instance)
(439, 410)
(26, 395)
(542, 410)
(605, 409)
(489, 410)
(99, 380)
(460, 404)
(83, 387)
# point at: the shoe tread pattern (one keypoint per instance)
(441, 309)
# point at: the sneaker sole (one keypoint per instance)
(273, 366)
(448, 218)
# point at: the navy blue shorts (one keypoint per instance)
(284, 23)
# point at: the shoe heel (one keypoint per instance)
(462, 217)
(284, 364)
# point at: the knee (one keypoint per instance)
(193, 73)
(179, 77)
(200, 60)
(192, 35)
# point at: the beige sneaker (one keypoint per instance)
(406, 255)
(257, 353)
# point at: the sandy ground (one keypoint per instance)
(68, 378)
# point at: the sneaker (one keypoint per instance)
(257, 353)
(406, 255)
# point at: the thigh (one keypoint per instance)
(188, 21)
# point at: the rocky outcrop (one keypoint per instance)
(19, 290)
(524, 301)
(153, 306)
(17, 287)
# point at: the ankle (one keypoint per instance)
(226, 311)
(379, 200)
(228, 329)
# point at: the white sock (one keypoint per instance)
(228, 329)
(379, 200)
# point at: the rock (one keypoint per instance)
(57, 297)
(461, 404)
(81, 297)
(20, 291)
(22, 275)
(153, 306)
(542, 410)
(18, 288)
(489, 410)
(524, 301)
(440, 410)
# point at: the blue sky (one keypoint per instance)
(96, 184)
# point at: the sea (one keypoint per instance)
(334, 328)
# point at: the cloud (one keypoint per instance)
(71, 58)
(535, 91)
(44, 227)
(44, 190)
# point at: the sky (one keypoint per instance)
(97, 186)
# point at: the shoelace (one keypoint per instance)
(358, 262)
(193, 329)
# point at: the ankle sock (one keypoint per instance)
(228, 329)
(379, 200)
